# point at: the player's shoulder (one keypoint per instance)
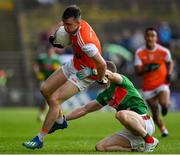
(84, 25)
(124, 77)
(126, 81)
(162, 48)
(86, 32)
(140, 49)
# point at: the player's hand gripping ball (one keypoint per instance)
(62, 37)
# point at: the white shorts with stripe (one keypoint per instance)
(70, 73)
(152, 93)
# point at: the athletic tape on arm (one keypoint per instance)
(90, 49)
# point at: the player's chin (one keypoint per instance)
(71, 31)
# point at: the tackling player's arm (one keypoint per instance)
(77, 113)
(114, 77)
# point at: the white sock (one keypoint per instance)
(60, 120)
(41, 136)
(165, 131)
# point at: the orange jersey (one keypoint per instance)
(85, 44)
(158, 55)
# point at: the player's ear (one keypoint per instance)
(78, 20)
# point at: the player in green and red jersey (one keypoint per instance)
(131, 112)
(46, 64)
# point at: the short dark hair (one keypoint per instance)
(71, 11)
(111, 66)
(150, 29)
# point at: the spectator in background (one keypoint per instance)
(165, 34)
(153, 62)
(43, 40)
(3, 79)
(125, 40)
(44, 66)
(47, 2)
(5, 75)
(137, 39)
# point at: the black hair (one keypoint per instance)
(111, 66)
(72, 11)
(150, 29)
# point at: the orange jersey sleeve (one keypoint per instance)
(159, 55)
(85, 44)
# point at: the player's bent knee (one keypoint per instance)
(43, 89)
(122, 116)
(53, 99)
(164, 104)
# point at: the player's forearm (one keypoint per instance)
(101, 69)
(170, 67)
(76, 114)
(100, 66)
(139, 70)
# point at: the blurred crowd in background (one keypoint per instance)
(120, 26)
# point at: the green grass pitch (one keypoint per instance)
(19, 124)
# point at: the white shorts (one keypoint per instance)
(70, 73)
(152, 93)
(137, 142)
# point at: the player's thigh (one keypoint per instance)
(65, 91)
(114, 140)
(53, 82)
(132, 116)
(164, 97)
(153, 104)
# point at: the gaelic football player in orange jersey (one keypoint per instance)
(86, 67)
(153, 62)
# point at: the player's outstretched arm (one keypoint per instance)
(79, 112)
